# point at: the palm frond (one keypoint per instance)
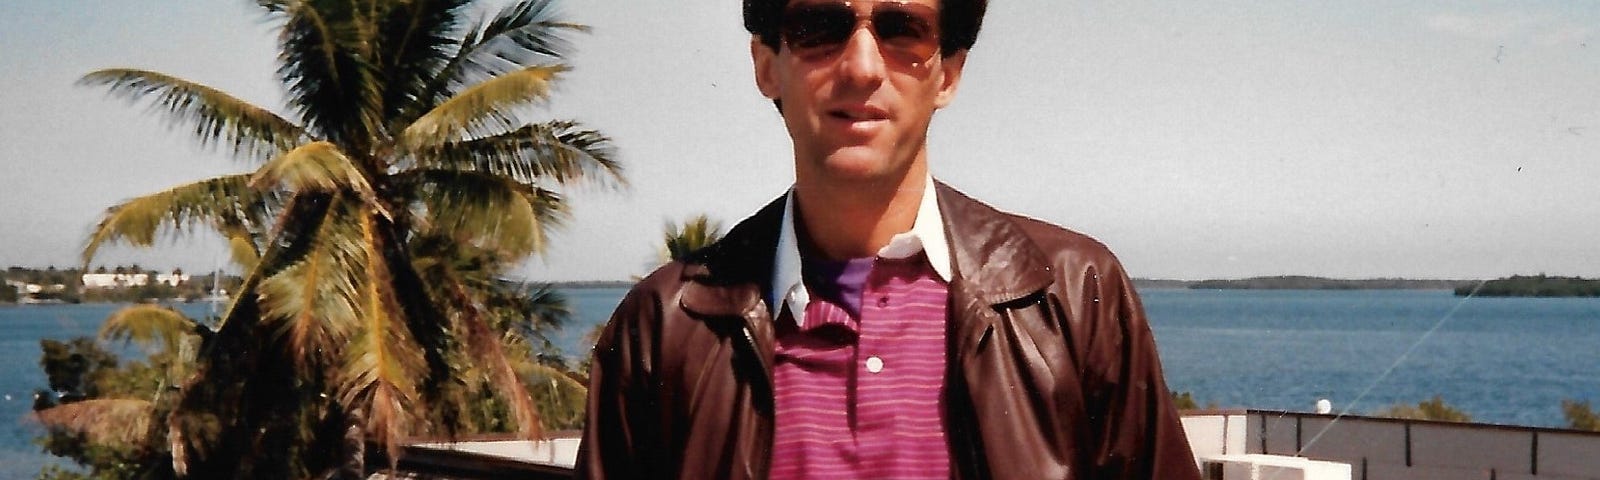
(490, 211)
(311, 306)
(533, 311)
(680, 240)
(562, 398)
(559, 151)
(484, 347)
(150, 327)
(559, 392)
(317, 166)
(139, 221)
(487, 108)
(522, 34)
(105, 421)
(275, 6)
(545, 307)
(242, 247)
(384, 362)
(325, 61)
(419, 40)
(292, 235)
(216, 118)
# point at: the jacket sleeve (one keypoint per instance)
(1141, 434)
(618, 432)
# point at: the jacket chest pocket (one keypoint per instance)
(1029, 332)
(1026, 338)
(1020, 376)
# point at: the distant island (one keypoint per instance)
(1297, 282)
(1533, 286)
(594, 284)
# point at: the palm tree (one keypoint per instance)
(680, 240)
(407, 126)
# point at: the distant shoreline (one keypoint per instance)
(1542, 286)
(1300, 282)
(1286, 282)
(1253, 283)
(591, 284)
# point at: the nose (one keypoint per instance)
(861, 62)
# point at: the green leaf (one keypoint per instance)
(326, 64)
(149, 326)
(216, 118)
(561, 151)
(316, 166)
(422, 39)
(489, 211)
(693, 234)
(216, 201)
(383, 363)
(521, 34)
(312, 304)
(486, 108)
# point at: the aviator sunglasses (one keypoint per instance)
(907, 33)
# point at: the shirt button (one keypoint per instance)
(874, 364)
(883, 302)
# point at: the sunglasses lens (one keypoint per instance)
(817, 28)
(911, 33)
(907, 32)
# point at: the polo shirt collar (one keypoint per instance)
(926, 235)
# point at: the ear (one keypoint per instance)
(765, 61)
(950, 70)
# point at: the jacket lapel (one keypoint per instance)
(994, 261)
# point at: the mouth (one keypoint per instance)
(859, 113)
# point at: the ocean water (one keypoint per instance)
(21, 328)
(1502, 360)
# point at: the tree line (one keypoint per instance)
(72, 289)
(1533, 286)
(1297, 282)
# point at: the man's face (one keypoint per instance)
(858, 109)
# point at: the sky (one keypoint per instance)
(1198, 139)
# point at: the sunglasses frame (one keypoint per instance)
(915, 50)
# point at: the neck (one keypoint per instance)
(843, 220)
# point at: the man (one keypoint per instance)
(873, 323)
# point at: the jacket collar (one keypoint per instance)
(994, 259)
(927, 234)
(991, 257)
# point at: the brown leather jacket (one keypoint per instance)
(1053, 371)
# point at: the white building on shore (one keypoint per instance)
(124, 280)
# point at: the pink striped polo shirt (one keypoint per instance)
(859, 388)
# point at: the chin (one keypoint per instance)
(860, 163)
